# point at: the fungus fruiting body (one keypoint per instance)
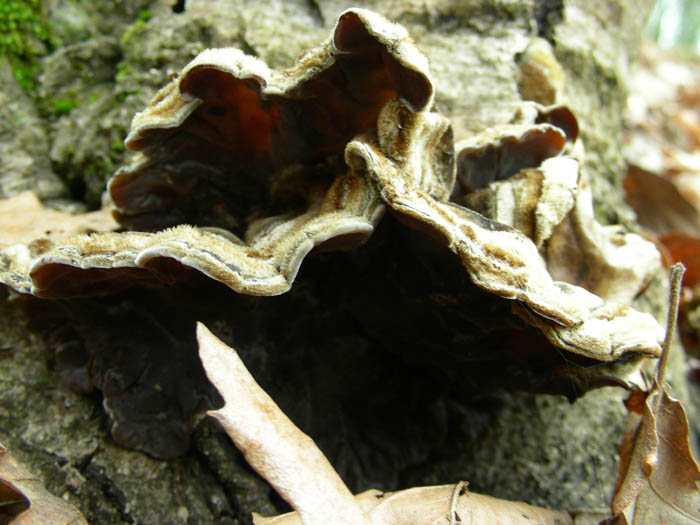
(241, 172)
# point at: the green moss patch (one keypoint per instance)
(24, 36)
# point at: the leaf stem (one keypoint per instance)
(676, 278)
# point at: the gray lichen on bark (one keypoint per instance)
(24, 144)
(520, 446)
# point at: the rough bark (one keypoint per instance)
(533, 447)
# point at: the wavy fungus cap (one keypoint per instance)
(219, 139)
(241, 171)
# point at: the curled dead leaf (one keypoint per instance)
(439, 505)
(658, 474)
(281, 453)
(24, 501)
(685, 249)
(658, 477)
(658, 203)
(24, 220)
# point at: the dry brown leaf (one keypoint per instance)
(658, 203)
(659, 473)
(28, 230)
(662, 107)
(24, 219)
(662, 143)
(292, 463)
(658, 479)
(440, 505)
(685, 249)
(24, 501)
(281, 453)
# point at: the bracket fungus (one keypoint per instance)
(498, 258)
(535, 134)
(247, 152)
(240, 172)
